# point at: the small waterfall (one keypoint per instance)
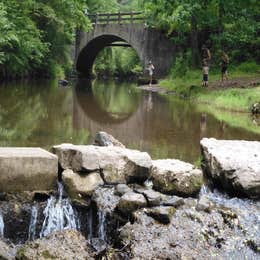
(101, 225)
(90, 224)
(2, 225)
(33, 222)
(58, 215)
(204, 190)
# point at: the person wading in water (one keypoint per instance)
(150, 69)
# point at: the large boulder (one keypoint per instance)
(78, 185)
(235, 165)
(105, 139)
(27, 169)
(176, 177)
(117, 165)
(67, 244)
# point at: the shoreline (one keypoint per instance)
(217, 95)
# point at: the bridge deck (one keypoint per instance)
(120, 17)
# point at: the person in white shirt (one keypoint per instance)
(150, 69)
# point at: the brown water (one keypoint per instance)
(43, 114)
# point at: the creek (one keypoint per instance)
(42, 114)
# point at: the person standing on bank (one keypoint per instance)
(224, 66)
(205, 72)
(150, 69)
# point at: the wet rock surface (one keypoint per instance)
(6, 251)
(122, 217)
(105, 139)
(121, 189)
(67, 244)
(176, 177)
(78, 185)
(153, 197)
(116, 164)
(130, 202)
(235, 165)
(161, 214)
(193, 234)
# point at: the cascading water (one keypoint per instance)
(2, 226)
(90, 224)
(101, 225)
(33, 222)
(58, 215)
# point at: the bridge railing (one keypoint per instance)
(120, 17)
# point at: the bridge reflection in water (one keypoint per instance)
(146, 121)
(139, 120)
(116, 109)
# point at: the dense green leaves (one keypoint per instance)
(232, 25)
(36, 35)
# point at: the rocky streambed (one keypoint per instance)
(111, 202)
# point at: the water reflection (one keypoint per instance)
(106, 102)
(149, 122)
(37, 113)
(41, 114)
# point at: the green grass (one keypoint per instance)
(235, 99)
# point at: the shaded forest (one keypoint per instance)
(36, 35)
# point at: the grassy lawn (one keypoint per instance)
(235, 95)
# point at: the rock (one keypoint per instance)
(161, 214)
(234, 165)
(6, 251)
(130, 202)
(176, 177)
(67, 244)
(204, 204)
(105, 139)
(188, 235)
(118, 165)
(99, 245)
(121, 189)
(27, 169)
(153, 197)
(173, 201)
(78, 185)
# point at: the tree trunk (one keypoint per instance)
(220, 22)
(194, 42)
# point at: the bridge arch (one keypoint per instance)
(149, 44)
(88, 54)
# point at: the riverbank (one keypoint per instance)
(237, 94)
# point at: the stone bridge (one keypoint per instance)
(109, 29)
